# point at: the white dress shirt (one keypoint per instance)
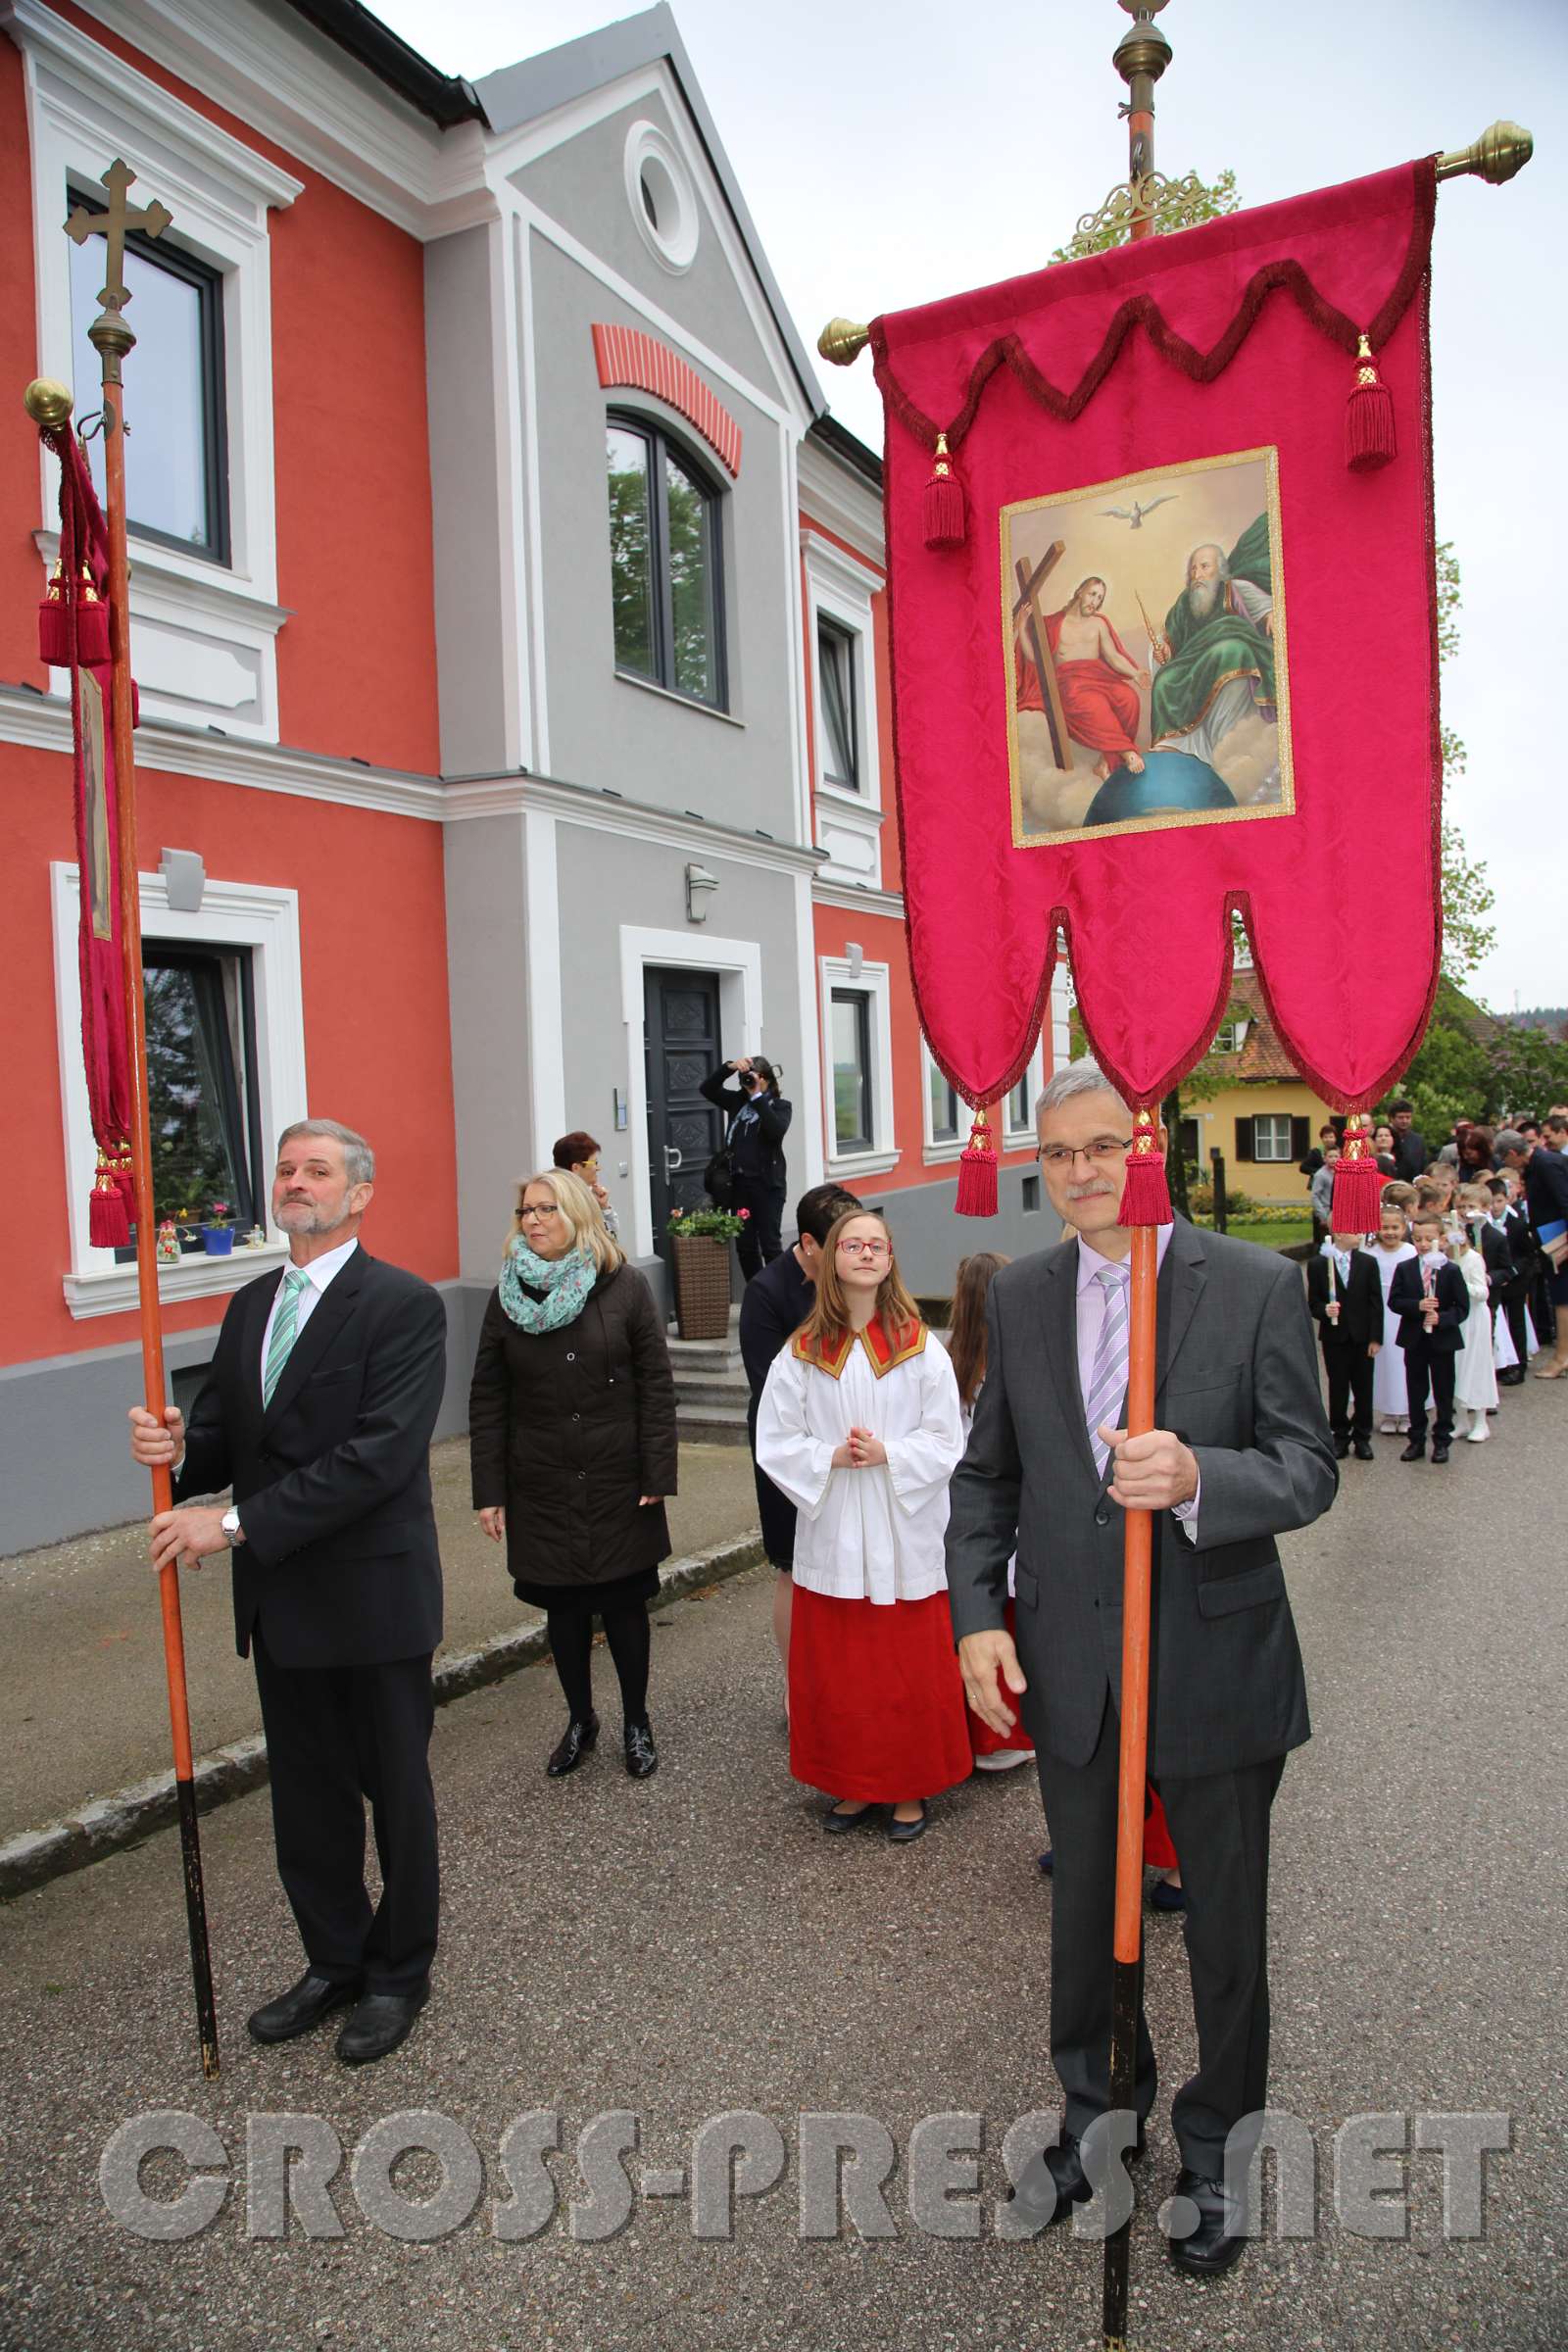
(319, 1273)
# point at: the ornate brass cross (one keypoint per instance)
(110, 334)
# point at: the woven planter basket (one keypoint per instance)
(702, 1286)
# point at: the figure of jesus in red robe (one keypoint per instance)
(1096, 676)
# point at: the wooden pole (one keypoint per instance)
(1140, 56)
(112, 339)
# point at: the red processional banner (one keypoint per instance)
(1165, 643)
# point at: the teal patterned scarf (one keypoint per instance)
(565, 1282)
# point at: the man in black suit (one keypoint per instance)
(317, 1411)
(1510, 1221)
(1429, 1295)
(776, 1303)
(1345, 1295)
(1241, 1454)
(1409, 1147)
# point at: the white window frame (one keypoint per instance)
(1035, 1075)
(232, 914)
(840, 589)
(875, 981)
(1272, 1159)
(85, 107)
(937, 1148)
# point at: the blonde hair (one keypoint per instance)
(1400, 1196)
(896, 1310)
(577, 1204)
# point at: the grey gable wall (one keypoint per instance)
(465, 505)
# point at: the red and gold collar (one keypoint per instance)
(830, 1355)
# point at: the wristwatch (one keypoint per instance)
(231, 1527)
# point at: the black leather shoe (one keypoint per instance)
(642, 1756)
(1440, 1453)
(1341, 1449)
(1053, 2182)
(1218, 2239)
(1513, 1378)
(1364, 1450)
(380, 2021)
(1415, 1452)
(905, 1832)
(836, 1823)
(578, 1738)
(303, 2006)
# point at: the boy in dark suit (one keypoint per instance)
(1345, 1296)
(1427, 1294)
(317, 1411)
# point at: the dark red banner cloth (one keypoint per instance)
(1218, 360)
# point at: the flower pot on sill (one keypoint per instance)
(217, 1239)
(701, 1264)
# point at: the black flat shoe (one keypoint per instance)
(1414, 1452)
(905, 1832)
(1440, 1453)
(1052, 2183)
(642, 1756)
(1047, 1862)
(578, 1738)
(1341, 1449)
(1364, 1450)
(380, 2021)
(303, 2006)
(1219, 2238)
(836, 1823)
(1163, 1896)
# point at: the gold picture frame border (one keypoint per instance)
(1269, 455)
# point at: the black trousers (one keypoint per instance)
(1426, 1368)
(1515, 1299)
(758, 1240)
(335, 1737)
(1349, 1369)
(1219, 1825)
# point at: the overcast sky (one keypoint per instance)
(878, 147)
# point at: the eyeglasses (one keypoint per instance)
(1098, 1155)
(848, 1249)
(524, 1213)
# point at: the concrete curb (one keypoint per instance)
(107, 1825)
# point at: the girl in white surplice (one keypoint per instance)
(859, 1426)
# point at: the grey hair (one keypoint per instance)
(1222, 560)
(1077, 1078)
(359, 1160)
(1509, 1139)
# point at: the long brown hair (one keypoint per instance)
(830, 1310)
(966, 1343)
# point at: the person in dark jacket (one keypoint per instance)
(774, 1307)
(1432, 1301)
(571, 1425)
(756, 1119)
(1344, 1292)
(1410, 1148)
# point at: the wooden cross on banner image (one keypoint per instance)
(150, 219)
(1028, 618)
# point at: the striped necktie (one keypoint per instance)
(1107, 1380)
(285, 1329)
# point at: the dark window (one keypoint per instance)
(1031, 1194)
(664, 563)
(841, 745)
(1187, 1141)
(850, 1048)
(201, 1081)
(944, 1101)
(177, 456)
(1020, 1110)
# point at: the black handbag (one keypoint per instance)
(718, 1179)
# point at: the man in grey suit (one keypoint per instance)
(1241, 1453)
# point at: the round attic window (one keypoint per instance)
(663, 199)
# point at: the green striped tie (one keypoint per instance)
(285, 1327)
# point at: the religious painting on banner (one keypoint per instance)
(1144, 640)
(1104, 485)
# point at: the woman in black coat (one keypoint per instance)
(757, 1118)
(571, 1421)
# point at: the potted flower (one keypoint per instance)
(218, 1230)
(699, 1248)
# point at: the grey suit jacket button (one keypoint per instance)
(1102, 1515)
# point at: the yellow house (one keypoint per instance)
(1261, 1116)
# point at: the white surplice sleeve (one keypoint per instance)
(921, 1462)
(799, 1464)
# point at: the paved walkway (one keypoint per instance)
(82, 1693)
(693, 1944)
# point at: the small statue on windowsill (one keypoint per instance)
(256, 1239)
(168, 1250)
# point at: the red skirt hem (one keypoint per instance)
(877, 1699)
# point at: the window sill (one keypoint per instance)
(682, 702)
(113, 1291)
(859, 803)
(862, 1163)
(938, 1154)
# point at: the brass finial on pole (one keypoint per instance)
(1503, 149)
(47, 403)
(1140, 56)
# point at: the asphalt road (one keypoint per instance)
(694, 1945)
